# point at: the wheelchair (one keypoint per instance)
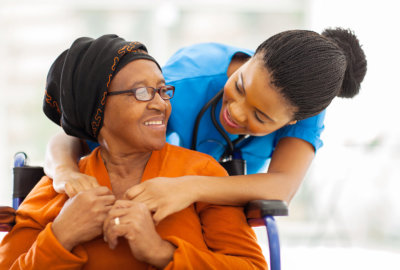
(258, 212)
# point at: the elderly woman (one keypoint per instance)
(111, 91)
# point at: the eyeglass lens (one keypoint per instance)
(148, 93)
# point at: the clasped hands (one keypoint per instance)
(92, 212)
(163, 196)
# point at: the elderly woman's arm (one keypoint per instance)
(232, 243)
(61, 164)
(36, 242)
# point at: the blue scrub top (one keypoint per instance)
(198, 72)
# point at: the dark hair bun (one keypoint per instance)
(356, 60)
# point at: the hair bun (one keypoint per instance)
(356, 60)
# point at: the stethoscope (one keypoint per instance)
(231, 159)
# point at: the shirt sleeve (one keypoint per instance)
(309, 130)
(31, 244)
(231, 243)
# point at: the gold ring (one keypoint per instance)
(116, 221)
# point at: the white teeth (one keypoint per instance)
(153, 123)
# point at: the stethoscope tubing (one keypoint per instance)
(230, 145)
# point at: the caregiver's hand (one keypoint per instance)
(82, 217)
(136, 225)
(164, 196)
(71, 182)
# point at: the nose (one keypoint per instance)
(157, 103)
(238, 112)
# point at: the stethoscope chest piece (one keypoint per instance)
(234, 166)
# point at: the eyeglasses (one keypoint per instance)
(148, 93)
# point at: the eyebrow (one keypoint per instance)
(144, 83)
(258, 110)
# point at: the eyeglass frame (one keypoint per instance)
(133, 91)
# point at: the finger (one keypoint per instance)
(116, 230)
(123, 204)
(107, 225)
(59, 187)
(158, 216)
(89, 182)
(134, 191)
(107, 209)
(70, 190)
(112, 214)
(145, 199)
(107, 221)
(118, 212)
(100, 216)
(77, 186)
(112, 240)
(152, 205)
(126, 215)
(107, 200)
(123, 230)
(102, 190)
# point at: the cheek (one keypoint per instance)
(260, 129)
(168, 112)
(257, 129)
(109, 114)
(122, 117)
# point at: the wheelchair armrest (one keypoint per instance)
(7, 218)
(257, 210)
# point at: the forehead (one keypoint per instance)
(261, 93)
(138, 71)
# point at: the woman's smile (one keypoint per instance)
(156, 123)
(228, 119)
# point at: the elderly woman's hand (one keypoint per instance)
(164, 196)
(71, 182)
(82, 217)
(133, 221)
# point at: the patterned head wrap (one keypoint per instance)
(79, 78)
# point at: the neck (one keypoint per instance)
(124, 169)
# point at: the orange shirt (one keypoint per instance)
(206, 236)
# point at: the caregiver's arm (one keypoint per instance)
(61, 164)
(289, 163)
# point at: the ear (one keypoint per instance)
(292, 122)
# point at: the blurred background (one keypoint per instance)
(347, 212)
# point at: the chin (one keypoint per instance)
(158, 145)
(229, 129)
